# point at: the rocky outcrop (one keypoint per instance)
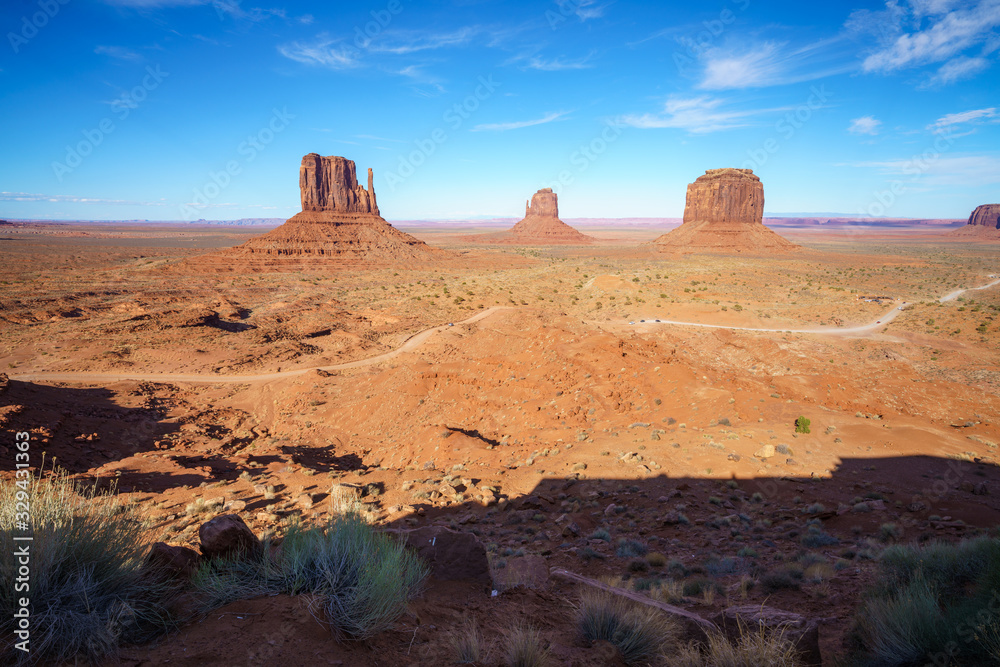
(724, 212)
(725, 195)
(987, 215)
(983, 223)
(451, 555)
(339, 227)
(543, 204)
(331, 184)
(541, 226)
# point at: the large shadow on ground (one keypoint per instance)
(81, 429)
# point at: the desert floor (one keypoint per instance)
(549, 411)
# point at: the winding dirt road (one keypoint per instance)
(414, 342)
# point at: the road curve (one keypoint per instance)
(415, 341)
(889, 316)
(410, 343)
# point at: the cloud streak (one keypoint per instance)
(698, 115)
(517, 125)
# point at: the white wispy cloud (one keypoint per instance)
(558, 63)
(406, 42)
(865, 125)
(323, 52)
(949, 123)
(698, 115)
(957, 69)
(118, 52)
(30, 196)
(924, 32)
(582, 9)
(770, 64)
(503, 127)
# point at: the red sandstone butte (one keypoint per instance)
(724, 213)
(541, 226)
(339, 226)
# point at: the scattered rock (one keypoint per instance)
(227, 535)
(765, 452)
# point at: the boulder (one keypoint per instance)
(451, 555)
(796, 628)
(4, 382)
(227, 536)
(173, 563)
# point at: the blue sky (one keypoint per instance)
(174, 109)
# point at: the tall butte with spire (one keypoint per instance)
(541, 226)
(724, 212)
(339, 225)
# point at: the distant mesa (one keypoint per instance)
(541, 226)
(339, 225)
(724, 212)
(983, 223)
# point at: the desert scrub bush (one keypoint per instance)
(932, 600)
(815, 537)
(88, 591)
(522, 647)
(802, 425)
(639, 633)
(788, 578)
(468, 642)
(754, 648)
(630, 549)
(360, 579)
(601, 534)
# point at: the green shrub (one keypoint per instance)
(87, 589)
(639, 633)
(802, 425)
(939, 599)
(362, 579)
